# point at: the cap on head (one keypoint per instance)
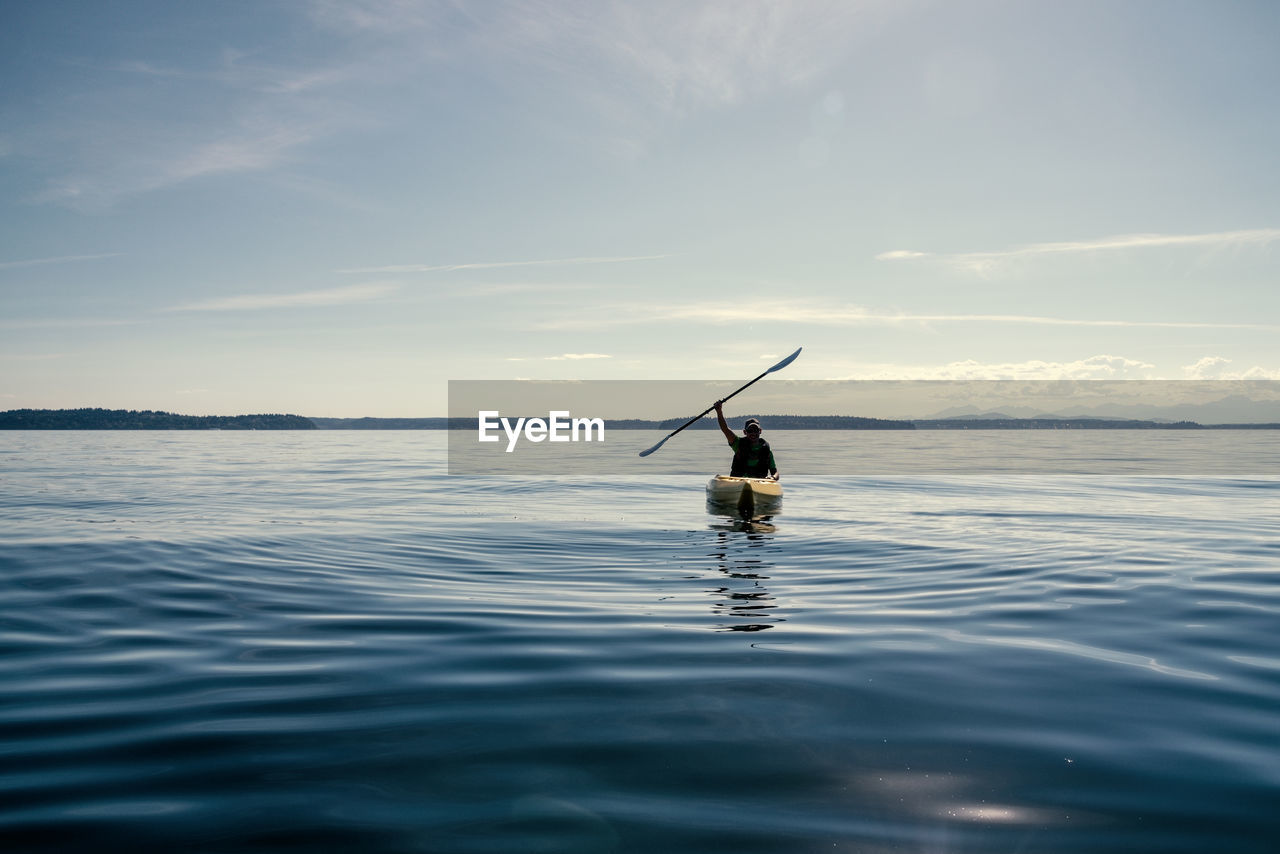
(751, 422)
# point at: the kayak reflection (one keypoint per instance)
(743, 600)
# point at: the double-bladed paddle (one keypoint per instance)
(776, 367)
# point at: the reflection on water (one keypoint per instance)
(760, 508)
(742, 555)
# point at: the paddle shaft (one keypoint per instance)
(713, 406)
(695, 418)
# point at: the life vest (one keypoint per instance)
(751, 461)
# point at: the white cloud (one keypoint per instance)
(985, 262)
(512, 288)
(490, 265)
(1100, 367)
(329, 296)
(1210, 367)
(562, 357)
(820, 313)
(901, 255)
(1216, 368)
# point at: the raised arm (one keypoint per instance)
(724, 425)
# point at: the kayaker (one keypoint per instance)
(752, 456)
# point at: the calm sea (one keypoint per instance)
(233, 642)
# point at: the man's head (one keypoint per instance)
(752, 427)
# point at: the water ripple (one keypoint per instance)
(312, 644)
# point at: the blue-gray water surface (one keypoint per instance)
(237, 642)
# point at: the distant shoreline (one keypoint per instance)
(122, 419)
(133, 419)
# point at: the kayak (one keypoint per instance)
(730, 489)
(723, 487)
(746, 495)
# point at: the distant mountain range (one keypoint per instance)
(1234, 409)
(778, 422)
(1017, 418)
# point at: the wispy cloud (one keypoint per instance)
(491, 265)
(305, 299)
(63, 322)
(1102, 367)
(200, 117)
(827, 314)
(982, 262)
(540, 289)
(235, 72)
(31, 357)
(129, 166)
(633, 66)
(1099, 367)
(63, 259)
(671, 55)
(255, 149)
(562, 357)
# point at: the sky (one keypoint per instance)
(335, 207)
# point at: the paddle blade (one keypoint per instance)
(785, 361)
(649, 451)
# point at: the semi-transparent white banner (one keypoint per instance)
(599, 428)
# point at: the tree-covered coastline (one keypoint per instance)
(130, 419)
(133, 419)
(776, 422)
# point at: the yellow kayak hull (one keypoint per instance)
(723, 487)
